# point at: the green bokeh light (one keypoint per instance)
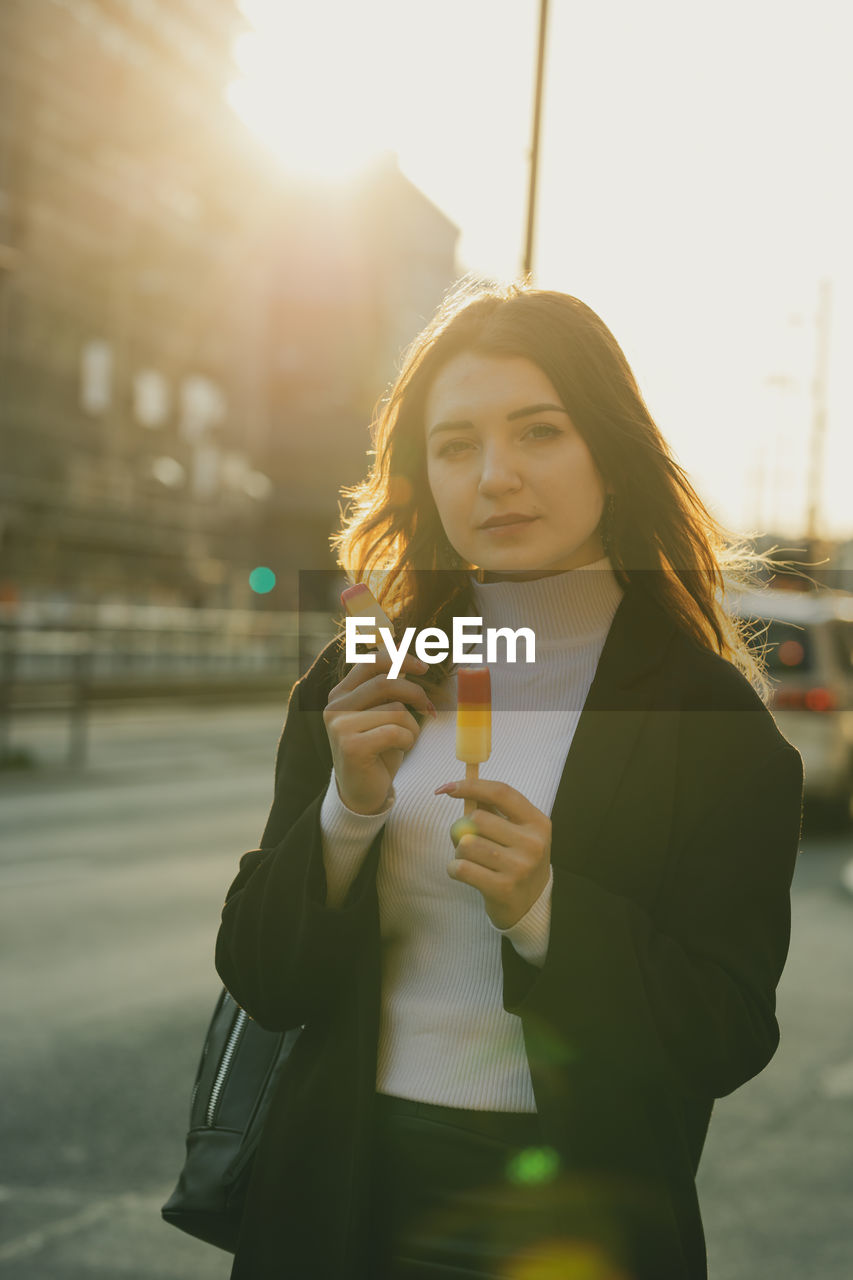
(532, 1165)
(262, 580)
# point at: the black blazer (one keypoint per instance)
(675, 833)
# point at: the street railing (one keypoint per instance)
(67, 657)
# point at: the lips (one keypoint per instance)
(509, 518)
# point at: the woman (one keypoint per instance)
(510, 1052)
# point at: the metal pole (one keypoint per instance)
(818, 431)
(527, 266)
(79, 719)
(8, 655)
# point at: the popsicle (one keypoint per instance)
(473, 715)
(360, 602)
(473, 732)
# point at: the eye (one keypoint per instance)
(453, 447)
(543, 431)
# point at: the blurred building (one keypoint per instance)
(356, 277)
(191, 347)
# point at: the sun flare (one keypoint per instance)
(308, 87)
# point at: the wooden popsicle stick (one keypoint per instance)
(472, 774)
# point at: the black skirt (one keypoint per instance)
(459, 1195)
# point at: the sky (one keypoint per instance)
(694, 189)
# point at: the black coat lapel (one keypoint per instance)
(627, 685)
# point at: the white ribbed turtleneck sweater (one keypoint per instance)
(444, 1034)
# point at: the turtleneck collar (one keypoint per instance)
(576, 605)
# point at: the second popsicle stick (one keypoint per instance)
(472, 774)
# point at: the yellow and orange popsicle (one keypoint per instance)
(473, 716)
(473, 733)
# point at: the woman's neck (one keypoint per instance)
(532, 575)
(591, 552)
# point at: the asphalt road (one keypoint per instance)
(110, 891)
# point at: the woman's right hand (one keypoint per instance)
(370, 728)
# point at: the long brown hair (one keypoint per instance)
(661, 536)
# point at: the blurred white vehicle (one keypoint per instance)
(809, 637)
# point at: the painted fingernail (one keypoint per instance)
(446, 790)
(431, 709)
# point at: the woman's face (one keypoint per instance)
(515, 485)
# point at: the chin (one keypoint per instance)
(518, 560)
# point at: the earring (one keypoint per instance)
(606, 525)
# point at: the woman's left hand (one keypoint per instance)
(509, 859)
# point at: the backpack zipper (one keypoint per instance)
(224, 1066)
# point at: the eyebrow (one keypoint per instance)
(510, 417)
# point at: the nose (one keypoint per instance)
(498, 474)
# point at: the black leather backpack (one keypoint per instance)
(238, 1071)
